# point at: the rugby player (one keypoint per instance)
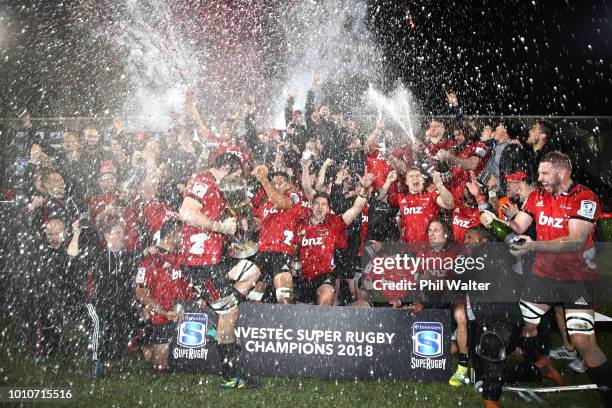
(565, 214)
(317, 239)
(221, 280)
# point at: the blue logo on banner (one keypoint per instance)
(427, 339)
(192, 330)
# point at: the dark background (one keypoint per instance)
(563, 67)
(51, 64)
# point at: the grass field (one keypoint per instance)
(132, 383)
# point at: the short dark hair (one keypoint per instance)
(228, 159)
(483, 232)
(447, 228)
(514, 128)
(546, 127)
(107, 222)
(558, 160)
(168, 227)
(280, 173)
(319, 194)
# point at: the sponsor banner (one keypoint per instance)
(325, 342)
(191, 348)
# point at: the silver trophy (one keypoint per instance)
(236, 192)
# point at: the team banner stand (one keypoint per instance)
(323, 342)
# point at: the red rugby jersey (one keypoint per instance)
(317, 243)
(416, 211)
(161, 274)
(464, 218)
(204, 247)
(380, 167)
(551, 214)
(459, 175)
(278, 228)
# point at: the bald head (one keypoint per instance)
(55, 232)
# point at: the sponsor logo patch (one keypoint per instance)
(192, 330)
(427, 339)
(587, 209)
(140, 276)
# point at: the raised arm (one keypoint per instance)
(309, 108)
(445, 199)
(73, 247)
(194, 115)
(372, 140)
(320, 185)
(360, 201)
(278, 200)
(382, 193)
(289, 107)
(307, 180)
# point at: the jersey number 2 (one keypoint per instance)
(288, 237)
(198, 240)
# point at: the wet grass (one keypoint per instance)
(132, 383)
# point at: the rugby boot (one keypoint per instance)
(239, 383)
(460, 376)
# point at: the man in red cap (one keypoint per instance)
(518, 188)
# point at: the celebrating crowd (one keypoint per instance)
(123, 227)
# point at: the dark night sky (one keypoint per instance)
(562, 65)
(503, 57)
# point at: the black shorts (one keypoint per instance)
(163, 333)
(271, 264)
(211, 281)
(571, 294)
(305, 290)
(347, 264)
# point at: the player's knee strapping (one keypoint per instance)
(580, 323)
(531, 312)
(284, 293)
(243, 271)
(225, 305)
(255, 296)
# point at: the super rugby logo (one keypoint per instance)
(312, 241)
(192, 330)
(427, 339)
(413, 210)
(550, 221)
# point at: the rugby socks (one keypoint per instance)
(464, 360)
(602, 376)
(227, 355)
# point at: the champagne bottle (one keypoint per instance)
(504, 233)
(444, 170)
